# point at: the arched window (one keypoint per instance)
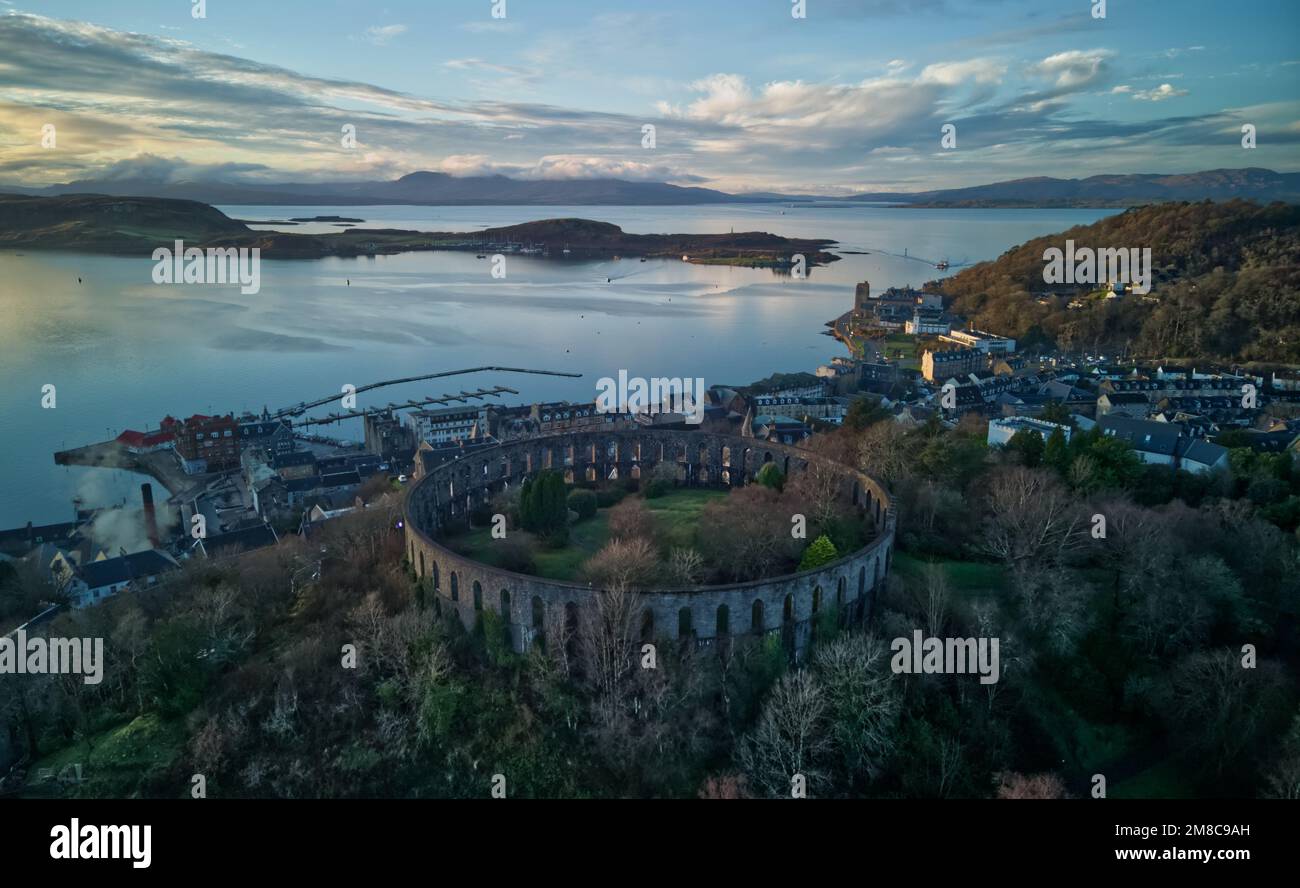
(756, 617)
(684, 627)
(421, 563)
(647, 625)
(505, 605)
(436, 580)
(862, 580)
(817, 599)
(478, 596)
(724, 622)
(787, 612)
(839, 593)
(455, 587)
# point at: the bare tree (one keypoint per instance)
(609, 636)
(628, 563)
(863, 698)
(1033, 518)
(685, 566)
(790, 739)
(1029, 786)
(885, 452)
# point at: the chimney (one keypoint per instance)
(150, 519)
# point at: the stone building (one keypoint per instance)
(528, 605)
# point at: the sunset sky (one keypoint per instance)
(743, 96)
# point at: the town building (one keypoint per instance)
(445, 424)
(276, 435)
(1002, 430)
(146, 442)
(208, 444)
(105, 577)
(989, 343)
(1156, 443)
(1131, 404)
(927, 322)
(258, 536)
(937, 366)
(386, 436)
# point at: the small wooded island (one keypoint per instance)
(131, 226)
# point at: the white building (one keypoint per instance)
(448, 424)
(989, 343)
(1003, 430)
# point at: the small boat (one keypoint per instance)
(942, 266)
(481, 256)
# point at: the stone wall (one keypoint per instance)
(527, 605)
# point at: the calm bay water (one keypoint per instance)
(124, 352)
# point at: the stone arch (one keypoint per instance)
(685, 623)
(571, 628)
(539, 620)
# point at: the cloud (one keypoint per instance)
(1159, 94)
(1075, 68)
(957, 73)
(379, 35)
(481, 65)
(131, 105)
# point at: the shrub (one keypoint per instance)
(770, 476)
(626, 563)
(514, 554)
(584, 502)
(820, 551)
(657, 488)
(630, 519)
(609, 496)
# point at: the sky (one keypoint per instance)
(742, 94)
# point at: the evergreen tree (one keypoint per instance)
(820, 551)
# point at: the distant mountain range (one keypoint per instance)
(1109, 191)
(423, 188)
(428, 188)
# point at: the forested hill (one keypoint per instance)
(1225, 285)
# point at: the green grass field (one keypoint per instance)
(974, 578)
(677, 515)
(111, 763)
